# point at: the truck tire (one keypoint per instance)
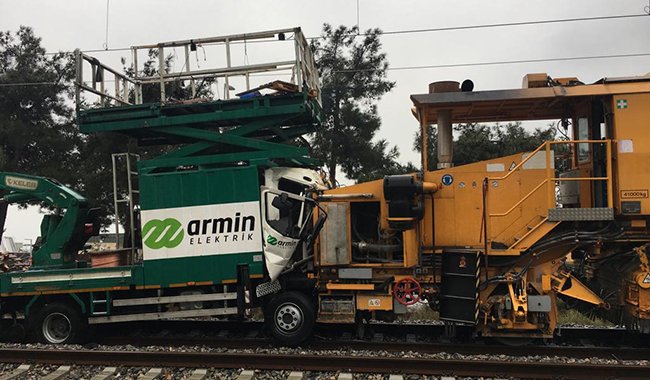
(59, 323)
(290, 317)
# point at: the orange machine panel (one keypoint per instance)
(632, 134)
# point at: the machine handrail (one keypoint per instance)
(607, 178)
(551, 178)
(520, 201)
(534, 152)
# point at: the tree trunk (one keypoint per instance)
(331, 165)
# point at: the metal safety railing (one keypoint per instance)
(300, 65)
(550, 183)
(101, 77)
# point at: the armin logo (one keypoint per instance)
(272, 240)
(166, 233)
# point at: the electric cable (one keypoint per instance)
(106, 38)
(431, 30)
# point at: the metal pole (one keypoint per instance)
(549, 177)
(226, 91)
(137, 88)
(298, 63)
(117, 87)
(79, 77)
(102, 89)
(187, 69)
(130, 205)
(117, 213)
(610, 186)
(161, 71)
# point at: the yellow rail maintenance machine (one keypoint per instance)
(494, 244)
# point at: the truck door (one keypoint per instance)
(286, 218)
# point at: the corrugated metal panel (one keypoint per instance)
(199, 187)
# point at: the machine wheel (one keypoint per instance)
(290, 318)
(59, 323)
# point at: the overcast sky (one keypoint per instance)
(66, 25)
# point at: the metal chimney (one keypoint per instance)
(445, 132)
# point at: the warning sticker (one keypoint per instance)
(646, 280)
(633, 194)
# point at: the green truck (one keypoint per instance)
(222, 222)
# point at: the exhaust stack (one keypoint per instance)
(445, 131)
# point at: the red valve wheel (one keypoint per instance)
(407, 291)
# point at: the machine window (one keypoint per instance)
(283, 214)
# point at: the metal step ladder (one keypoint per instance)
(126, 191)
(459, 296)
(100, 303)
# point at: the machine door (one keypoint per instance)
(286, 218)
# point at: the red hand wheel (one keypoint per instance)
(407, 291)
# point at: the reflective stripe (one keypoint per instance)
(70, 277)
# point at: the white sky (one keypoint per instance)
(70, 24)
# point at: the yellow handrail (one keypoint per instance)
(551, 179)
(518, 165)
(520, 201)
(547, 144)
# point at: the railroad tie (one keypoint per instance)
(16, 372)
(395, 377)
(105, 374)
(447, 378)
(246, 375)
(345, 376)
(58, 373)
(198, 374)
(295, 375)
(151, 374)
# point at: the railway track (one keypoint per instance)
(324, 362)
(619, 353)
(388, 331)
(393, 349)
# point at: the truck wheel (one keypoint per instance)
(290, 318)
(59, 323)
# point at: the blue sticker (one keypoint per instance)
(447, 179)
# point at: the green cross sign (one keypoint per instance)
(621, 104)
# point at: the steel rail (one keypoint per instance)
(320, 362)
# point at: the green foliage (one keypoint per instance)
(37, 133)
(353, 73)
(478, 142)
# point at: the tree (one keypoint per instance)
(353, 72)
(37, 132)
(477, 142)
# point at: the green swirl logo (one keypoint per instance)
(272, 240)
(166, 233)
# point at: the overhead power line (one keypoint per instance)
(509, 24)
(441, 29)
(468, 64)
(28, 84)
